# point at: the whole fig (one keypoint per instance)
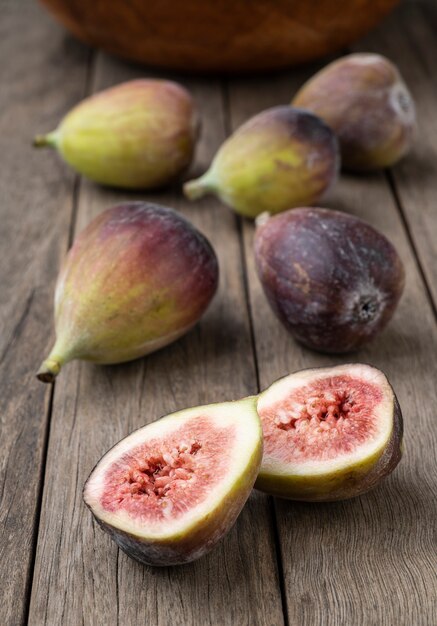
(365, 101)
(139, 135)
(281, 158)
(333, 280)
(136, 279)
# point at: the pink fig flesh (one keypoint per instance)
(169, 492)
(329, 433)
(136, 279)
(331, 278)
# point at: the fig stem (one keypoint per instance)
(262, 218)
(46, 141)
(48, 371)
(199, 187)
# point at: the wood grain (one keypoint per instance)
(369, 560)
(408, 39)
(80, 577)
(41, 74)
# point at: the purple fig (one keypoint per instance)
(333, 280)
(363, 98)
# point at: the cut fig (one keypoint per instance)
(329, 433)
(169, 491)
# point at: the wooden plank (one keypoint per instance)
(80, 577)
(367, 560)
(38, 84)
(408, 39)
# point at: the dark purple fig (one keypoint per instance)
(332, 279)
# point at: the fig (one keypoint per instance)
(329, 433)
(365, 101)
(136, 279)
(168, 492)
(331, 278)
(279, 159)
(138, 135)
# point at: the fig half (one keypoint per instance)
(329, 433)
(169, 491)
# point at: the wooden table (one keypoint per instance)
(368, 561)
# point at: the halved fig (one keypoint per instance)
(329, 433)
(169, 491)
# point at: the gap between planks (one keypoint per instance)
(391, 182)
(36, 201)
(74, 205)
(279, 564)
(407, 38)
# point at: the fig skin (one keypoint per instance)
(355, 480)
(138, 135)
(281, 158)
(136, 279)
(331, 278)
(363, 98)
(197, 539)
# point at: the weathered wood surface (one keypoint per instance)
(41, 75)
(370, 561)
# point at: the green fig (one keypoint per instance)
(279, 159)
(363, 98)
(136, 279)
(138, 135)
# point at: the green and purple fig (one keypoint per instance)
(138, 135)
(331, 278)
(279, 159)
(167, 493)
(329, 433)
(363, 98)
(136, 279)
